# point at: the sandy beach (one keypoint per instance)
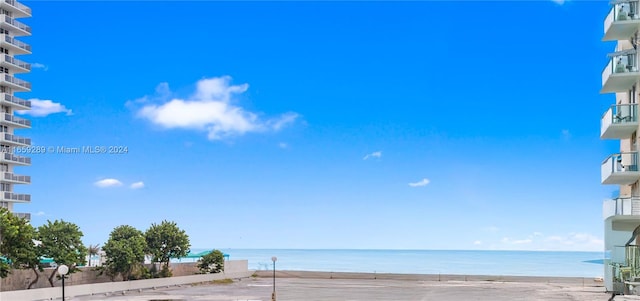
(325, 286)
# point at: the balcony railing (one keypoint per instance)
(17, 81)
(622, 21)
(17, 159)
(622, 206)
(17, 139)
(22, 215)
(620, 169)
(16, 100)
(17, 197)
(18, 120)
(19, 6)
(17, 43)
(619, 121)
(16, 178)
(621, 72)
(13, 61)
(18, 24)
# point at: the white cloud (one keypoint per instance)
(41, 108)
(39, 66)
(108, 183)
(209, 109)
(477, 242)
(559, 2)
(377, 154)
(137, 185)
(283, 145)
(420, 183)
(40, 213)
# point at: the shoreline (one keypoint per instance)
(585, 281)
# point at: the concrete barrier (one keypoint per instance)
(233, 269)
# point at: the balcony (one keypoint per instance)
(628, 206)
(16, 65)
(16, 121)
(17, 47)
(16, 84)
(622, 21)
(16, 179)
(21, 215)
(18, 9)
(621, 72)
(619, 121)
(620, 169)
(16, 102)
(11, 158)
(7, 196)
(10, 139)
(17, 28)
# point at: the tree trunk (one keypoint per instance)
(35, 271)
(51, 277)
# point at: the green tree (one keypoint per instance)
(17, 245)
(166, 241)
(62, 242)
(92, 250)
(125, 251)
(212, 262)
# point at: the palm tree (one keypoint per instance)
(93, 250)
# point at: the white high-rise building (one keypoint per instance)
(10, 67)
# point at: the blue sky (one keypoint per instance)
(412, 125)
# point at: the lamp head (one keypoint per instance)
(63, 269)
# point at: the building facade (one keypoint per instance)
(621, 77)
(11, 144)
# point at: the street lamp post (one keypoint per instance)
(63, 270)
(273, 295)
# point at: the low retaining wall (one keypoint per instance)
(429, 277)
(20, 279)
(233, 269)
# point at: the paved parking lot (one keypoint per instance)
(255, 289)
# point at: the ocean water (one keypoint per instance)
(502, 263)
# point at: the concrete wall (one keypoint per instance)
(20, 279)
(233, 269)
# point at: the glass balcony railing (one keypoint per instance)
(19, 6)
(623, 20)
(17, 197)
(18, 120)
(622, 206)
(17, 159)
(17, 139)
(16, 100)
(621, 72)
(13, 61)
(619, 121)
(22, 45)
(22, 215)
(17, 81)
(17, 24)
(620, 168)
(16, 178)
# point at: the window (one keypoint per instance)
(5, 187)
